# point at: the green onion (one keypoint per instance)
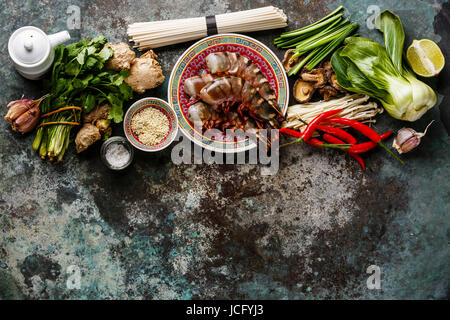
(321, 35)
(322, 54)
(43, 146)
(302, 62)
(312, 28)
(38, 139)
(321, 40)
(317, 40)
(289, 33)
(310, 37)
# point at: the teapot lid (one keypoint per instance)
(28, 45)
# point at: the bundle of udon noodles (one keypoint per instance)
(147, 35)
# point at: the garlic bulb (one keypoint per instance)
(24, 114)
(408, 139)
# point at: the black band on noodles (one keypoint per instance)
(211, 25)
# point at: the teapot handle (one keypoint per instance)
(58, 38)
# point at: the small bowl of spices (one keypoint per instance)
(150, 124)
(116, 153)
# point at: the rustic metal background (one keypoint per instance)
(160, 231)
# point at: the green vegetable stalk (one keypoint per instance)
(317, 40)
(78, 79)
(365, 66)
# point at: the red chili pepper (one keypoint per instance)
(339, 133)
(361, 127)
(367, 146)
(316, 143)
(293, 133)
(311, 127)
(320, 144)
(332, 139)
(365, 130)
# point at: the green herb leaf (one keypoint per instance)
(126, 91)
(116, 113)
(72, 68)
(125, 73)
(91, 63)
(106, 54)
(89, 104)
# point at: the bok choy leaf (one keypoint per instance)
(394, 36)
(365, 66)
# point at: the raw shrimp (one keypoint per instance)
(234, 64)
(224, 92)
(193, 85)
(201, 115)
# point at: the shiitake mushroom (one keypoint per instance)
(328, 69)
(288, 62)
(303, 91)
(335, 84)
(322, 79)
(327, 92)
(316, 76)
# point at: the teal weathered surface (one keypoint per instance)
(161, 231)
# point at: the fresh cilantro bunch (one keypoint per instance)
(78, 78)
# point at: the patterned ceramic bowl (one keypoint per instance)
(160, 105)
(192, 62)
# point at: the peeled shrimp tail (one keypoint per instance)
(193, 85)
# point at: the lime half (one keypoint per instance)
(425, 58)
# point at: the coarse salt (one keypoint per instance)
(117, 155)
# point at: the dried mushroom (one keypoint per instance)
(122, 58)
(321, 79)
(327, 92)
(288, 62)
(303, 91)
(328, 70)
(316, 76)
(335, 84)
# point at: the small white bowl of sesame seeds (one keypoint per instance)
(150, 124)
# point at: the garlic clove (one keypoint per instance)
(17, 108)
(407, 139)
(24, 114)
(407, 145)
(27, 121)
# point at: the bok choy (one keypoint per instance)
(365, 66)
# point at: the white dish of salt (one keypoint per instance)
(117, 153)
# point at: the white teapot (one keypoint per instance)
(32, 51)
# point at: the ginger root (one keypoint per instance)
(98, 113)
(95, 125)
(123, 57)
(86, 137)
(145, 73)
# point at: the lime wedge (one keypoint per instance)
(425, 58)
